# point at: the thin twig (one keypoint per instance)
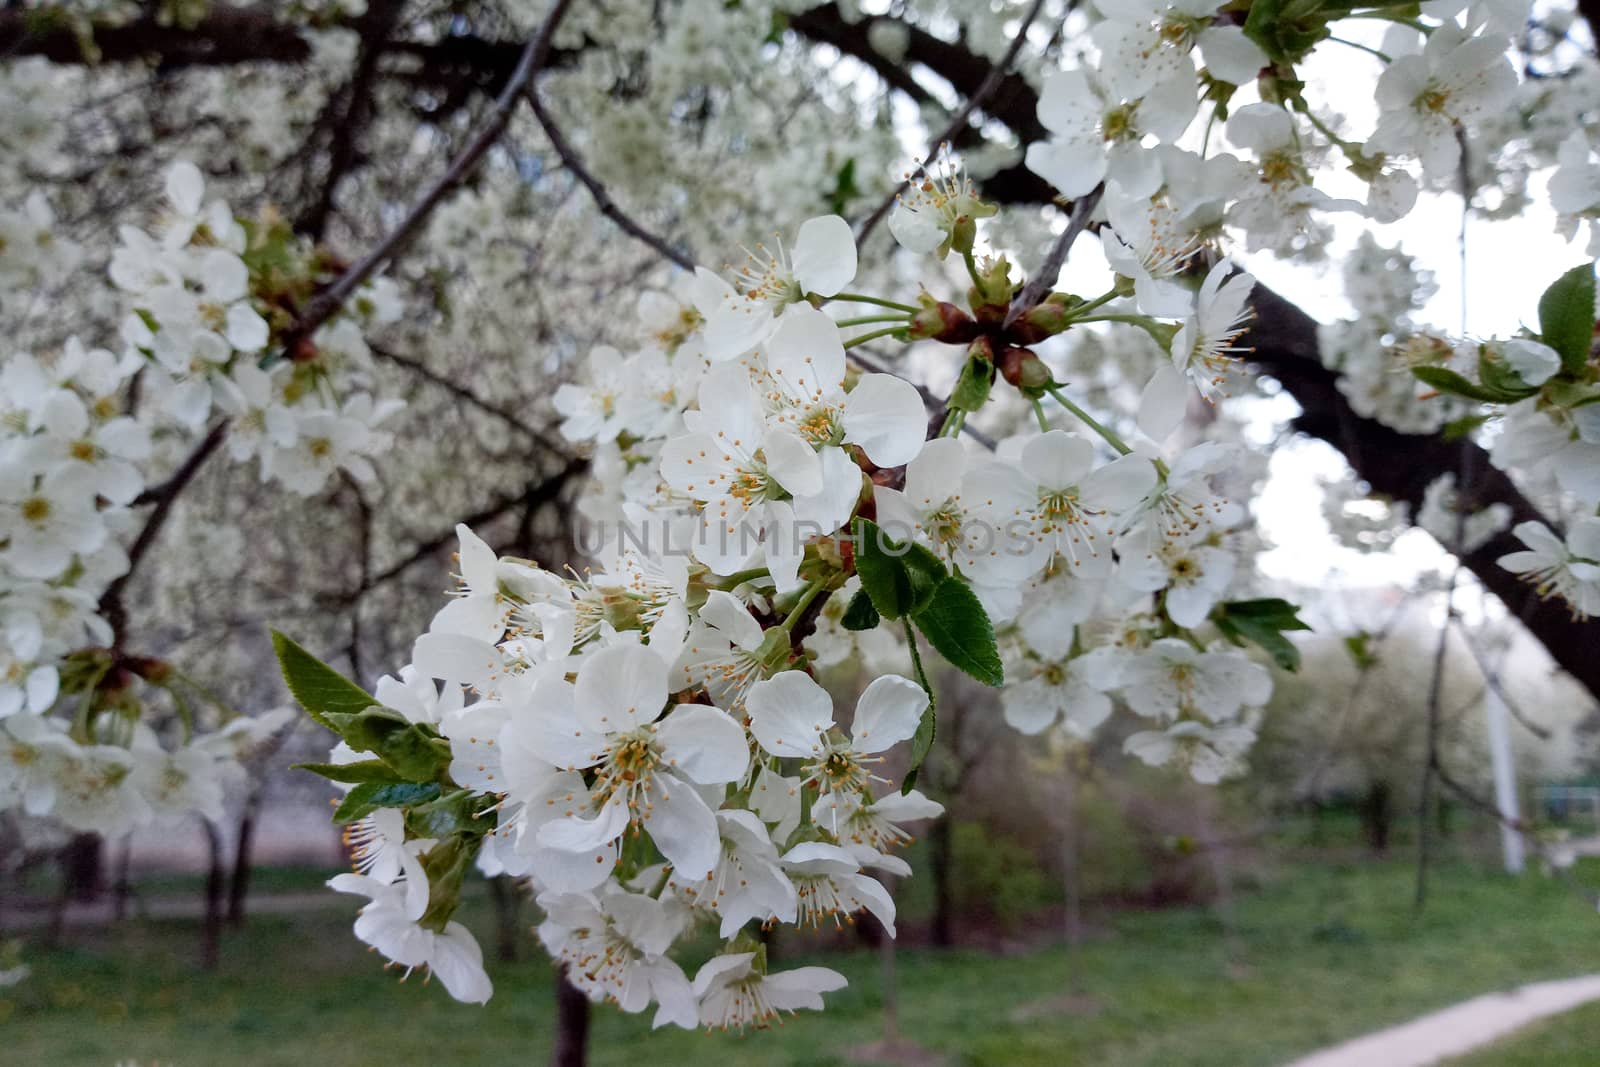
(469, 396)
(111, 605)
(1045, 277)
(602, 199)
(533, 58)
(995, 78)
(1491, 678)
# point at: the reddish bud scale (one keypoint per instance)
(1024, 370)
(943, 322)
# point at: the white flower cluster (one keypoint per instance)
(75, 458)
(650, 742)
(200, 292)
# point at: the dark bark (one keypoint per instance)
(571, 1048)
(243, 858)
(122, 884)
(941, 863)
(83, 868)
(224, 37)
(216, 887)
(348, 114)
(507, 912)
(1377, 815)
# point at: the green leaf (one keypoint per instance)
(458, 812)
(370, 770)
(1262, 622)
(414, 751)
(1359, 647)
(921, 745)
(859, 614)
(972, 388)
(1286, 29)
(1566, 317)
(446, 865)
(845, 189)
(1460, 429)
(368, 797)
(899, 578)
(1497, 376)
(955, 623)
(1448, 381)
(319, 688)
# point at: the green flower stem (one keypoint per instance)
(1038, 413)
(916, 662)
(804, 602)
(953, 421)
(1088, 420)
(1365, 48)
(738, 578)
(972, 269)
(1084, 309)
(866, 320)
(858, 298)
(874, 335)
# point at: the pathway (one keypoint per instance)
(1458, 1029)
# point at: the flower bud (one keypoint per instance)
(1046, 319)
(942, 321)
(1024, 370)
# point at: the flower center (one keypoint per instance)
(36, 509)
(1434, 101)
(627, 770)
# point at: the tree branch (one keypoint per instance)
(226, 36)
(532, 60)
(111, 605)
(602, 199)
(958, 122)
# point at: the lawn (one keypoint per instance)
(1572, 1038)
(1319, 953)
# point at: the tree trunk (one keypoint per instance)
(507, 911)
(1377, 816)
(122, 886)
(243, 858)
(942, 861)
(1072, 880)
(216, 887)
(571, 1047)
(82, 868)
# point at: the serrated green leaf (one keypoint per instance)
(415, 752)
(370, 770)
(368, 797)
(859, 614)
(319, 688)
(1262, 622)
(458, 812)
(1566, 317)
(955, 623)
(1448, 381)
(899, 578)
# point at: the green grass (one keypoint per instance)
(1320, 954)
(1572, 1038)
